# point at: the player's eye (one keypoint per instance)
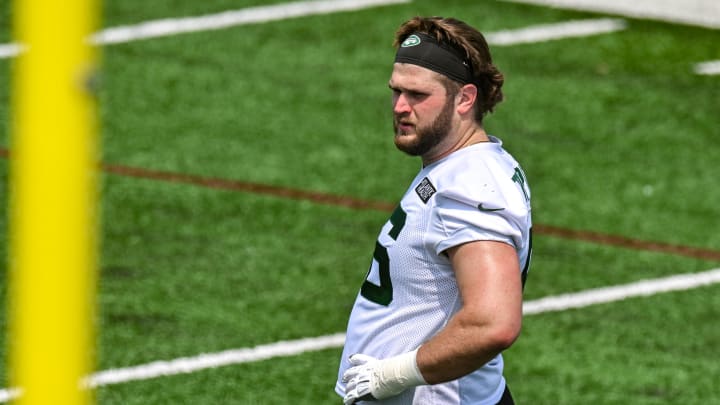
(415, 95)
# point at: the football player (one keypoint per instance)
(443, 296)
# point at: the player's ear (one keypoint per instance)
(467, 96)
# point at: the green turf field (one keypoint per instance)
(615, 133)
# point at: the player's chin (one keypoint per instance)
(406, 143)
(402, 138)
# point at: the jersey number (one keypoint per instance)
(383, 294)
(519, 178)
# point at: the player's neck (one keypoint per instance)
(462, 137)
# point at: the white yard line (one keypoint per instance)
(7, 395)
(547, 32)
(603, 295)
(708, 68)
(253, 15)
(10, 50)
(211, 360)
(554, 303)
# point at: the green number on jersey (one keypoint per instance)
(519, 178)
(383, 294)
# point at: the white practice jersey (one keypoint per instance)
(476, 193)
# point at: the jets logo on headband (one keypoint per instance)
(412, 40)
(424, 50)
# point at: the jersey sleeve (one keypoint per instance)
(489, 209)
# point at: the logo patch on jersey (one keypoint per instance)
(425, 190)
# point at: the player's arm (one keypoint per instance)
(489, 321)
(490, 318)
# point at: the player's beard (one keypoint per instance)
(426, 137)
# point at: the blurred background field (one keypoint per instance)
(616, 133)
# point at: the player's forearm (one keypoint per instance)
(463, 347)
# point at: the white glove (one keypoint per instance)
(371, 379)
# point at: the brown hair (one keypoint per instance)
(473, 45)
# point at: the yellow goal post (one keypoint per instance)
(52, 203)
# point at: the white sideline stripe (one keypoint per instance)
(547, 32)
(703, 13)
(554, 303)
(708, 68)
(251, 15)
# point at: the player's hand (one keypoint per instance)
(369, 378)
(357, 379)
